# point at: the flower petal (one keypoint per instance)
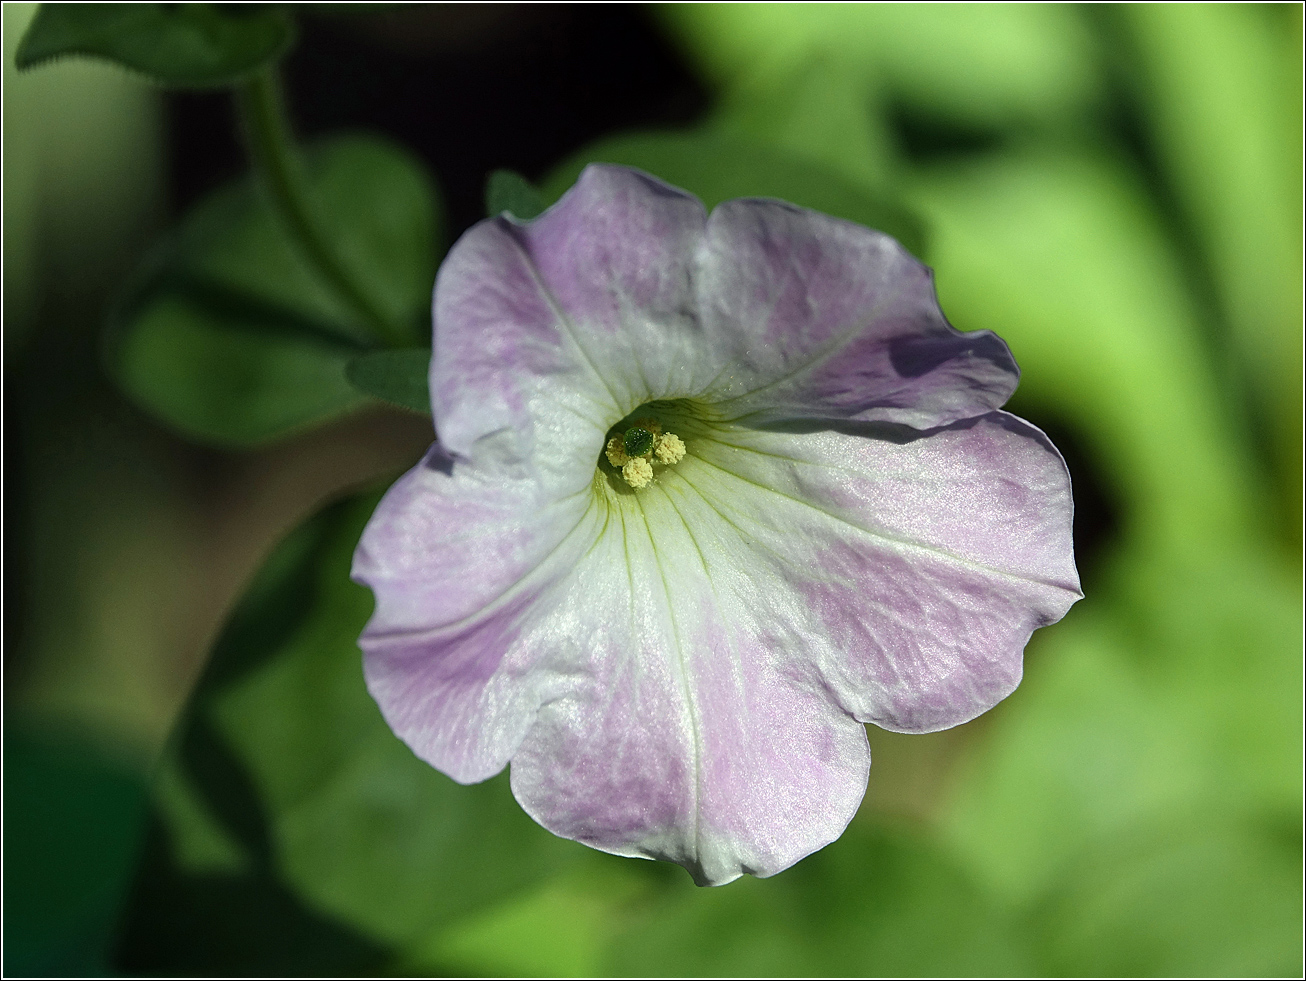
(456, 554)
(679, 673)
(828, 319)
(642, 717)
(682, 736)
(906, 570)
(582, 314)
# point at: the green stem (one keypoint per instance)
(273, 154)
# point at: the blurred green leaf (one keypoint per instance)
(878, 902)
(1153, 748)
(193, 45)
(881, 901)
(1067, 260)
(230, 379)
(510, 192)
(983, 64)
(399, 377)
(209, 898)
(351, 822)
(234, 339)
(823, 110)
(72, 831)
(563, 927)
(718, 166)
(1188, 898)
(1220, 86)
(377, 206)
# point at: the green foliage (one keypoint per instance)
(229, 377)
(283, 753)
(718, 166)
(399, 377)
(508, 192)
(1111, 341)
(235, 340)
(977, 64)
(878, 902)
(191, 45)
(1192, 896)
(72, 835)
(1222, 91)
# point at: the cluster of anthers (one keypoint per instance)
(636, 450)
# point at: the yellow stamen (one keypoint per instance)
(616, 452)
(669, 448)
(638, 472)
(665, 449)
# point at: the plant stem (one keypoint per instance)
(276, 161)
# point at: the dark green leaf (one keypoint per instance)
(236, 341)
(208, 900)
(297, 759)
(718, 166)
(193, 45)
(399, 377)
(377, 207)
(229, 380)
(510, 192)
(73, 827)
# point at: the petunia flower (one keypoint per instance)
(678, 662)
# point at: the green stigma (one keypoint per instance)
(637, 441)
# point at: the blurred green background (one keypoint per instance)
(195, 779)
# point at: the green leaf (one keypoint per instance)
(983, 64)
(230, 379)
(877, 902)
(507, 191)
(287, 753)
(399, 377)
(1186, 898)
(719, 166)
(1140, 794)
(1220, 87)
(74, 821)
(234, 339)
(377, 207)
(192, 45)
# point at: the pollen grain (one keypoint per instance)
(638, 472)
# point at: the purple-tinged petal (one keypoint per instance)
(904, 572)
(763, 596)
(459, 555)
(828, 319)
(582, 314)
(681, 737)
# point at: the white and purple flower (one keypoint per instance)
(677, 657)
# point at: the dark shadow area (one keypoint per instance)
(925, 139)
(913, 356)
(184, 923)
(1098, 512)
(72, 832)
(468, 88)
